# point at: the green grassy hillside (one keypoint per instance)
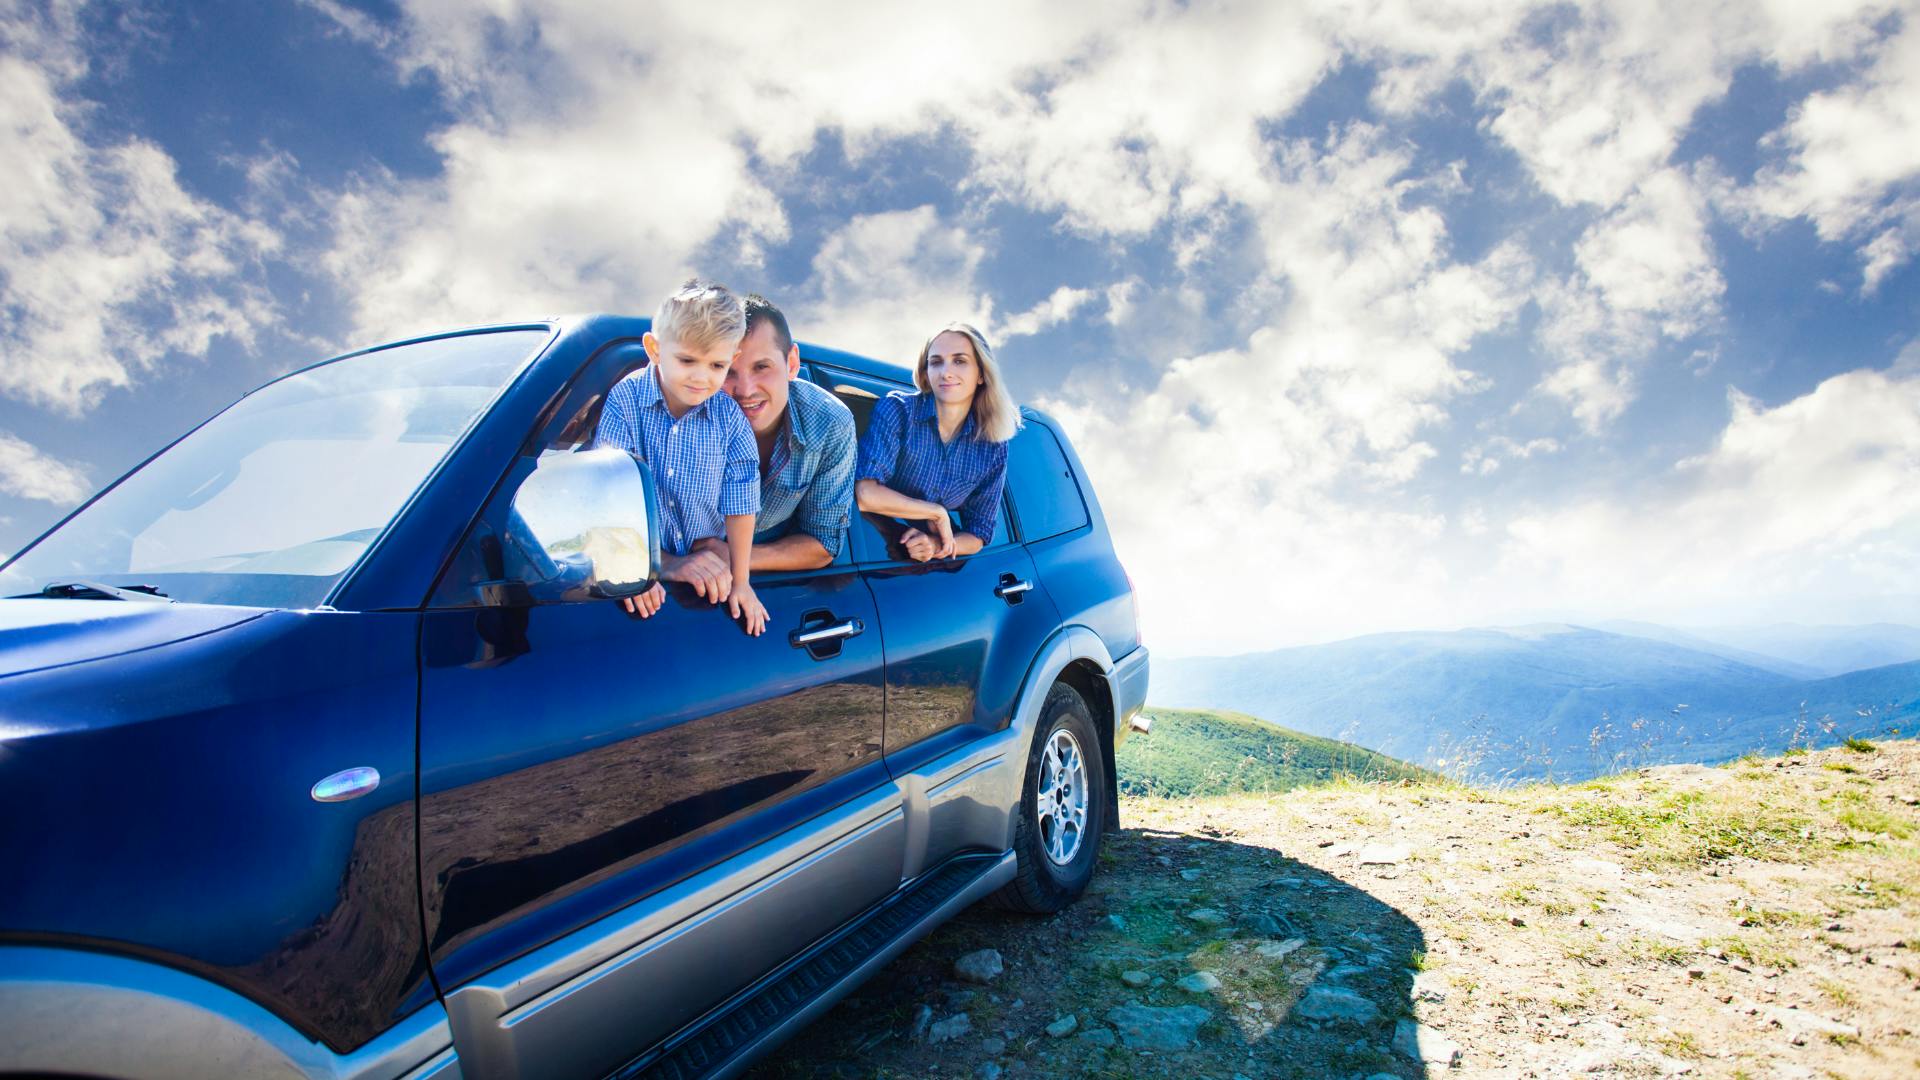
(1206, 752)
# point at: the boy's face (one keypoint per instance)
(758, 378)
(689, 374)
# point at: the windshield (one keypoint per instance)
(270, 503)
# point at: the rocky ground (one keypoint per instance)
(1760, 919)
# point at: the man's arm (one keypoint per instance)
(819, 527)
(795, 551)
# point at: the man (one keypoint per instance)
(807, 454)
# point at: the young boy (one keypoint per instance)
(696, 441)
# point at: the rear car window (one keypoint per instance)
(1041, 483)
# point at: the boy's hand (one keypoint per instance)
(745, 605)
(704, 569)
(918, 544)
(645, 604)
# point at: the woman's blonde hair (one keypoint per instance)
(995, 416)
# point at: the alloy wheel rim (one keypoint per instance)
(1061, 803)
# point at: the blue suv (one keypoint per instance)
(327, 751)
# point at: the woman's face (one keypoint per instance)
(953, 371)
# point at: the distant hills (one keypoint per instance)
(1568, 701)
(1202, 752)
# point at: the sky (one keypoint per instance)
(1364, 316)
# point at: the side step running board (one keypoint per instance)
(730, 1037)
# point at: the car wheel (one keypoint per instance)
(1062, 808)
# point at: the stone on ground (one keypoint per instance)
(1135, 979)
(982, 966)
(1200, 982)
(951, 1028)
(1147, 1027)
(1336, 1004)
(1383, 855)
(1208, 917)
(1063, 1027)
(1275, 950)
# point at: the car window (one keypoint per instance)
(872, 533)
(1041, 483)
(273, 501)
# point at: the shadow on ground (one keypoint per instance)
(1191, 956)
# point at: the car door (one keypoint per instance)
(577, 761)
(960, 634)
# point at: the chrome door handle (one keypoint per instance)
(1012, 588)
(802, 638)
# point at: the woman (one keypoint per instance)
(942, 448)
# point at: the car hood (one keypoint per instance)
(37, 634)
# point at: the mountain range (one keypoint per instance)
(1570, 701)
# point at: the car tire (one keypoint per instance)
(1063, 807)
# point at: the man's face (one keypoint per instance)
(758, 378)
(689, 374)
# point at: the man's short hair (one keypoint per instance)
(701, 313)
(759, 309)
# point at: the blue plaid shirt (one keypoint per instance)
(705, 463)
(808, 485)
(902, 449)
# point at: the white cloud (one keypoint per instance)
(1821, 493)
(28, 473)
(107, 265)
(1266, 485)
(884, 282)
(1853, 159)
(1487, 458)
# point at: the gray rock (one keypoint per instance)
(1200, 982)
(1275, 950)
(1263, 924)
(1420, 1043)
(1344, 972)
(1117, 922)
(990, 1071)
(1146, 1027)
(951, 1028)
(1135, 979)
(922, 1016)
(1097, 1036)
(1383, 855)
(1208, 917)
(1335, 1004)
(982, 966)
(1063, 1027)
(993, 1046)
(1192, 875)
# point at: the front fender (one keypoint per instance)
(69, 1011)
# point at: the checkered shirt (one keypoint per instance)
(705, 464)
(808, 486)
(902, 449)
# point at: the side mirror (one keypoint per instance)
(596, 517)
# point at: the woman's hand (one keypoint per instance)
(920, 547)
(745, 605)
(645, 604)
(942, 535)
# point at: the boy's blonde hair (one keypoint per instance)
(701, 313)
(995, 416)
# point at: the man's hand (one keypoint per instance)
(920, 547)
(645, 604)
(703, 568)
(746, 606)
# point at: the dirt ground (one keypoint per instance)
(1760, 919)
